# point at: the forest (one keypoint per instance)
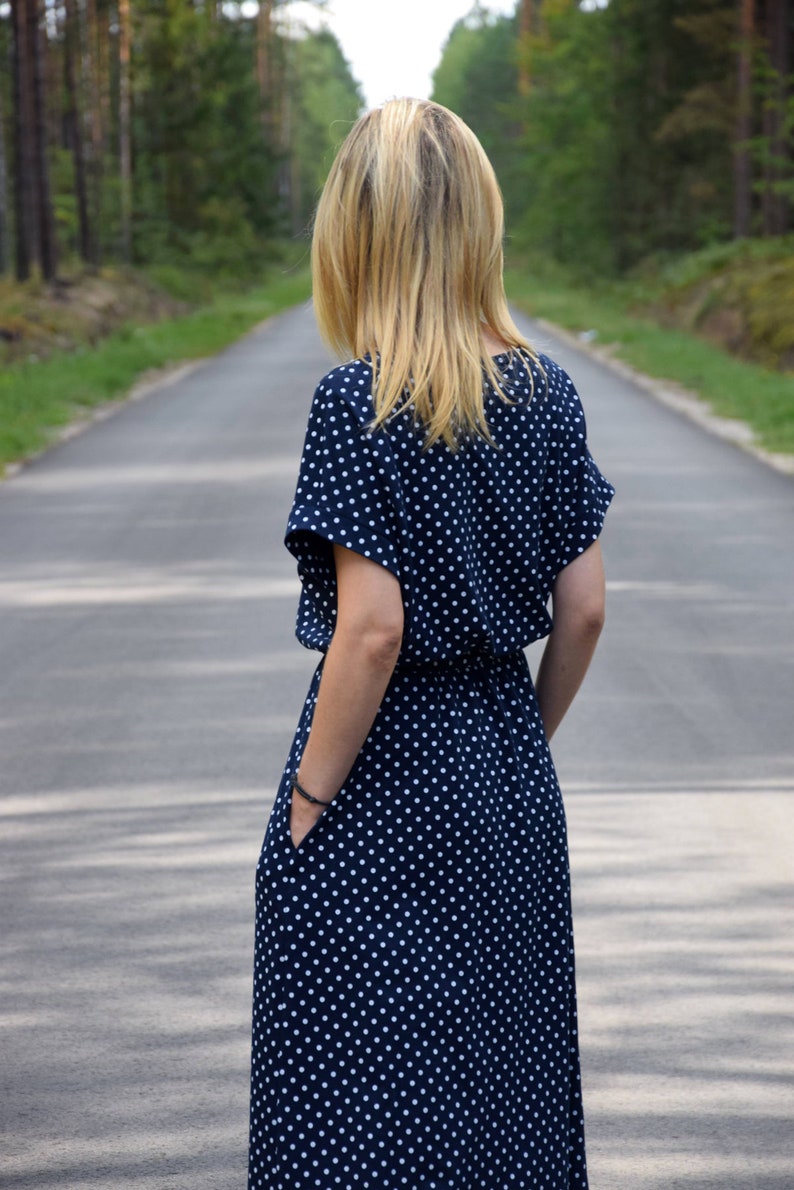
(161, 132)
(155, 154)
(156, 131)
(632, 128)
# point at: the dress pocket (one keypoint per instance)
(295, 848)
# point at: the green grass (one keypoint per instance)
(760, 397)
(38, 398)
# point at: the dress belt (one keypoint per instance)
(474, 657)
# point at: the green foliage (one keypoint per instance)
(209, 188)
(551, 150)
(327, 101)
(202, 168)
(763, 398)
(570, 181)
(225, 244)
(218, 174)
(477, 78)
(64, 201)
(179, 283)
(620, 142)
(739, 295)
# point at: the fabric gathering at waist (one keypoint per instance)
(471, 658)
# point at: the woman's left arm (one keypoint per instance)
(358, 667)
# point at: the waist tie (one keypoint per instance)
(471, 659)
(494, 668)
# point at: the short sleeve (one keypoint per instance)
(343, 497)
(576, 495)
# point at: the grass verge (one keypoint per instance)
(734, 388)
(38, 398)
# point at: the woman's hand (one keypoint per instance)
(302, 817)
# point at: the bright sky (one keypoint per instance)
(393, 46)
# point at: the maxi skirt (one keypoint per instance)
(414, 993)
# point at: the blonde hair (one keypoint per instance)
(407, 265)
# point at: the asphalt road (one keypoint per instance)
(149, 685)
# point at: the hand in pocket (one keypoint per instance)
(303, 816)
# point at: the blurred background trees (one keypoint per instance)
(161, 131)
(632, 128)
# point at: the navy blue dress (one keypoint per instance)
(414, 997)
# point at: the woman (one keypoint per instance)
(414, 1001)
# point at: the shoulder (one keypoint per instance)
(538, 377)
(350, 385)
(563, 406)
(555, 379)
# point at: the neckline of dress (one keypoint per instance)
(508, 358)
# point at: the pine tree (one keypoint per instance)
(73, 120)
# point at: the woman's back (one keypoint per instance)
(476, 536)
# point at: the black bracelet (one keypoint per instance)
(305, 793)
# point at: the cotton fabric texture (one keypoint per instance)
(414, 996)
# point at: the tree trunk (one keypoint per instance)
(103, 18)
(41, 182)
(25, 195)
(4, 247)
(264, 68)
(528, 18)
(125, 137)
(95, 147)
(74, 125)
(742, 176)
(776, 213)
(289, 183)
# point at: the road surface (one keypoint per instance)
(149, 685)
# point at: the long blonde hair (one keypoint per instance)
(407, 265)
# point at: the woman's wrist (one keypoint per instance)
(299, 788)
(303, 808)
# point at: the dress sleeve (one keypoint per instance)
(576, 495)
(343, 497)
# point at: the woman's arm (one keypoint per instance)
(578, 600)
(357, 669)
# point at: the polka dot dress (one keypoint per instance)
(414, 998)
